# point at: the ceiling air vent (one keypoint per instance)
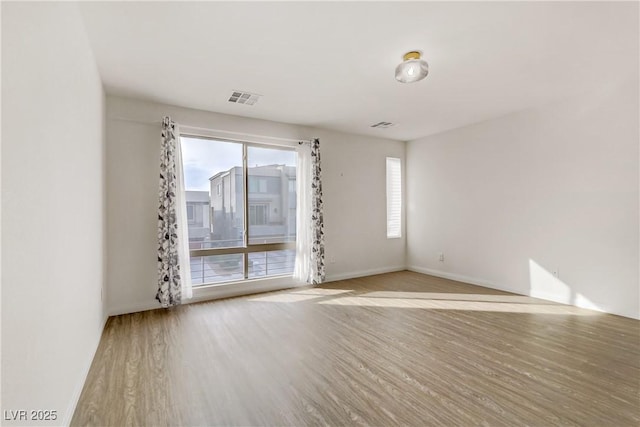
(383, 125)
(244, 97)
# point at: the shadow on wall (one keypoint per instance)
(547, 285)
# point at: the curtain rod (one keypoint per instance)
(239, 134)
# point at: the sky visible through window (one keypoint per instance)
(203, 158)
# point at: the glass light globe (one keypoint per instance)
(412, 69)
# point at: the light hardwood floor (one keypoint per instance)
(393, 349)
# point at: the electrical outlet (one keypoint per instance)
(332, 260)
(441, 257)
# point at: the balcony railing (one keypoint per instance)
(230, 267)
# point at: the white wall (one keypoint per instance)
(511, 200)
(53, 208)
(353, 169)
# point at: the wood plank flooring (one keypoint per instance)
(394, 349)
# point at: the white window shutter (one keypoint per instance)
(394, 198)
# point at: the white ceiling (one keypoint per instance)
(331, 64)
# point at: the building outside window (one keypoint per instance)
(218, 223)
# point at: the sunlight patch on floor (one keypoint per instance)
(425, 300)
(299, 295)
(284, 297)
(456, 297)
(321, 291)
(503, 307)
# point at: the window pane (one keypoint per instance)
(216, 211)
(394, 198)
(213, 184)
(272, 263)
(272, 195)
(217, 268)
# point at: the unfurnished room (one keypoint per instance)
(320, 213)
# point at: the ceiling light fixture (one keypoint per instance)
(412, 68)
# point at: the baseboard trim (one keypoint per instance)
(226, 293)
(363, 273)
(246, 288)
(75, 398)
(492, 285)
(249, 287)
(134, 308)
(461, 278)
(214, 292)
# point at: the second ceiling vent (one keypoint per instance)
(383, 125)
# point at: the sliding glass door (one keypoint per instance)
(241, 209)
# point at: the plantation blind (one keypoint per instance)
(394, 198)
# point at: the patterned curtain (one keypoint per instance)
(317, 221)
(169, 281)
